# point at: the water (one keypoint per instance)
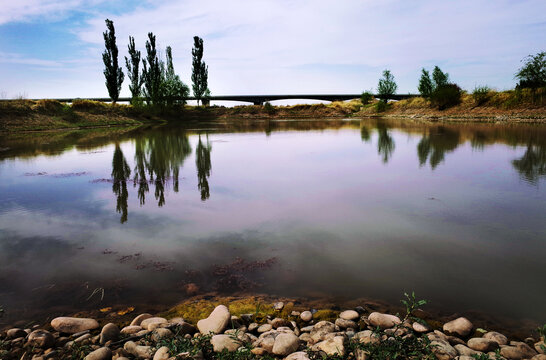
(294, 208)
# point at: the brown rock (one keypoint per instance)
(443, 350)
(71, 325)
(482, 344)
(110, 332)
(285, 343)
(217, 321)
(496, 337)
(100, 354)
(458, 327)
(349, 315)
(153, 323)
(138, 320)
(41, 338)
(224, 342)
(384, 321)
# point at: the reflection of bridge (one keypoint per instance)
(261, 99)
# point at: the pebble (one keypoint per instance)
(41, 338)
(71, 325)
(103, 353)
(460, 326)
(138, 320)
(110, 332)
(224, 342)
(131, 329)
(345, 324)
(153, 322)
(496, 337)
(264, 328)
(16, 333)
(162, 353)
(482, 344)
(144, 352)
(217, 321)
(285, 343)
(306, 316)
(349, 315)
(333, 346)
(384, 321)
(300, 355)
(279, 306)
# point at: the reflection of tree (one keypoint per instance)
(434, 145)
(120, 174)
(365, 133)
(532, 164)
(385, 142)
(203, 164)
(158, 158)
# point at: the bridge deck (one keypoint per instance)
(257, 99)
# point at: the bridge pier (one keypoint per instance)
(258, 102)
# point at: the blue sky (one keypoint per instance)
(52, 48)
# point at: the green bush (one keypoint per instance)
(270, 109)
(481, 94)
(446, 96)
(381, 106)
(366, 97)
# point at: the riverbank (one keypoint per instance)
(254, 327)
(27, 115)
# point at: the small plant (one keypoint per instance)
(79, 351)
(481, 94)
(270, 109)
(366, 97)
(483, 356)
(381, 106)
(446, 96)
(412, 304)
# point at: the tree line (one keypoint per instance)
(443, 93)
(156, 82)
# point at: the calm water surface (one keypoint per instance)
(294, 208)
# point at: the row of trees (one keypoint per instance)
(157, 83)
(443, 93)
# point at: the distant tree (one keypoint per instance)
(172, 86)
(112, 72)
(133, 65)
(200, 71)
(386, 86)
(366, 97)
(533, 72)
(152, 72)
(425, 84)
(440, 78)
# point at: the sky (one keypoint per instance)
(52, 48)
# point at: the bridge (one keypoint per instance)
(257, 99)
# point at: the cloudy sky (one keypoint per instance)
(52, 48)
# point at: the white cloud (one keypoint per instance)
(25, 10)
(288, 46)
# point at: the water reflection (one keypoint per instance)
(385, 142)
(532, 165)
(203, 164)
(120, 174)
(158, 158)
(435, 144)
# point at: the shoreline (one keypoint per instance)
(44, 115)
(257, 321)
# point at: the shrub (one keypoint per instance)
(381, 106)
(366, 97)
(47, 106)
(446, 96)
(270, 109)
(481, 94)
(533, 73)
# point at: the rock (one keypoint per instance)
(366, 337)
(453, 340)
(138, 320)
(384, 321)
(161, 333)
(41, 338)
(464, 350)
(241, 335)
(465, 357)
(320, 330)
(110, 332)
(258, 351)
(278, 306)
(460, 326)
(144, 352)
(129, 330)
(100, 354)
(184, 328)
(264, 328)
(285, 343)
(539, 357)
(345, 324)
(162, 353)
(300, 355)
(420, 328)
(153, 322)
(443, 350)
(540, 347)
(16, 333)
(517, 350)
(71, 325)
(496, 337)
(217, 321)
(307, 328)
(295, 313)
(349, 315)
(306, 316)
(482, 344)
(253, 327)
(305, 337)
(332, 346)
(278, 322)
(224, 342)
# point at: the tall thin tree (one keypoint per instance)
(152, 72)
(112, 72)
(200, 71)
(133, 65)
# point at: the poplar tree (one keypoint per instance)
(200, 71)
(112, 72)
(133, 65)
(172, 86)
(152, 72)
(386, 86)
(440, 78)
(425, 84)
